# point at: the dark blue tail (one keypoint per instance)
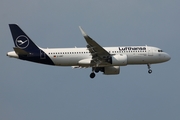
(25, 47)
(21, 40)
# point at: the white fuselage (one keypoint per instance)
(72, 56)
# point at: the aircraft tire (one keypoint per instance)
(92, 75)
(149, 71)
(96, 71)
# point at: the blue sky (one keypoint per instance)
(40, 92)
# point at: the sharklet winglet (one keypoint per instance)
(82, 31)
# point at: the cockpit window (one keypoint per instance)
(160, 50)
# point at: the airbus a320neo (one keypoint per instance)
(101, 59)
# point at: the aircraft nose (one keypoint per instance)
(168, 57)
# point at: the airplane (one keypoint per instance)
(101, 59)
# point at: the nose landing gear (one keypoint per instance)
(149, 69)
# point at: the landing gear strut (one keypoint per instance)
(149, 69)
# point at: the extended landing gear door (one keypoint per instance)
(42, 55)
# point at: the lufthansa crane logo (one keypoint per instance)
(22, 42)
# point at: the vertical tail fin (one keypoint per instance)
(21, 40)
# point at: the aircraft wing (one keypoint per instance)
(99, 54)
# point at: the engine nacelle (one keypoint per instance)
(111, 70)
(119, 60)
(85, 62)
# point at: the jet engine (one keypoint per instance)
(119, 60)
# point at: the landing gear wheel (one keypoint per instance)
(96, 71)
(92, 75)
(150, 71)
(149, 67)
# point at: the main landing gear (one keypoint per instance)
(149, 69)
(92, 75)
(101, 69)
(96, 70)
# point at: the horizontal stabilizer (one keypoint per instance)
(20, 51)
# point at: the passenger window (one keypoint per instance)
(160, 51)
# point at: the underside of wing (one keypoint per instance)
(99, 55)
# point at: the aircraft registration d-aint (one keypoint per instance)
(101, 59)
